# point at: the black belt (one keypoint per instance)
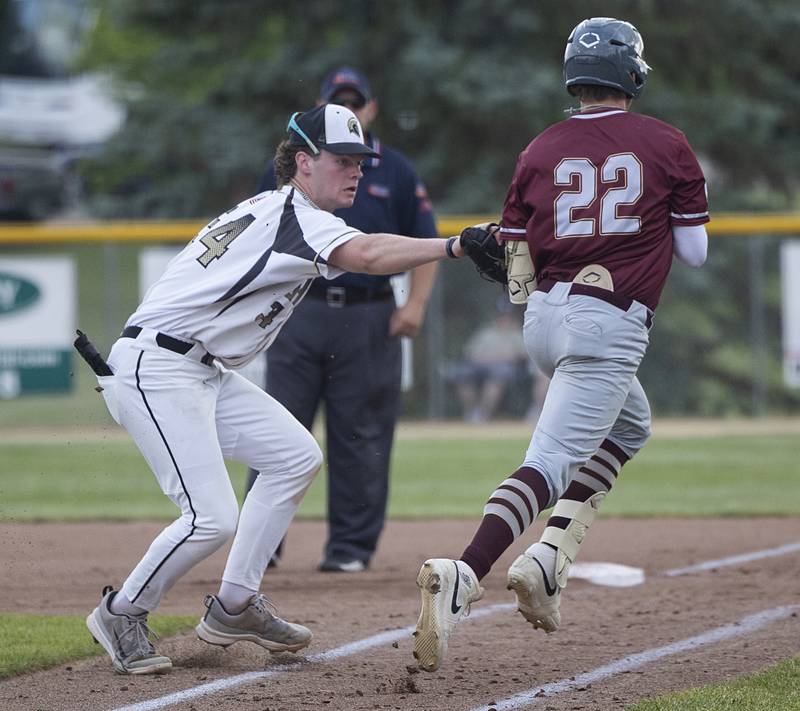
(611, 297)
(164, 341)
(339, 296)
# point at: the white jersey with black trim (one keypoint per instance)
(235, 284)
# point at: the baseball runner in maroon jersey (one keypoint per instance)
(604, 200)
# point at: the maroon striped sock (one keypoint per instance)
(511, 509)
(598, 474)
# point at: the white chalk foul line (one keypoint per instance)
(735, 559)
(720, 634)
(332, 654)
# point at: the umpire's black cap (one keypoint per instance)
(329, 127)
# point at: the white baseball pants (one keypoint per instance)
(185, 417)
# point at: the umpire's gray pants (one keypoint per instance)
(591, 350)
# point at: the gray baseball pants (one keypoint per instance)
(591, 350)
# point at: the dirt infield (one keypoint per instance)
(60, 569)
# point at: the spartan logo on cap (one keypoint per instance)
(589, 39)
(352, 126)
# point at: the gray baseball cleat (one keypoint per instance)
(538, 593)
(258, 623)
(126, 638)
(448, 588)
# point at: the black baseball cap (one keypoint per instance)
(345, 78)
(329, 127)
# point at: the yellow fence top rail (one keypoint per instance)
(756, 224)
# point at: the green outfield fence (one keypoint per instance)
(107, 260)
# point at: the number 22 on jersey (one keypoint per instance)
(622, 169)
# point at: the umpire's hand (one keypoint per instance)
(407, 320)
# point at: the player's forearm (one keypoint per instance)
(386, 253)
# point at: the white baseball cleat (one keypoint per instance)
(538, 593)
(448, 588)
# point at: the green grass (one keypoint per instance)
(774, 689)
(723, 476)
(718, 476)
(33, 642)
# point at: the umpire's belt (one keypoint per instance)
(171, 344)
(611, 297)
(339, 296)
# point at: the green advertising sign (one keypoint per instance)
(34, 371)
(16, 293)
(37, 324)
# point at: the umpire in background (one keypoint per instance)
(345, 349)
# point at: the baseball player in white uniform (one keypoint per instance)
(220, 302)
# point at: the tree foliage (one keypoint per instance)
(463, 87)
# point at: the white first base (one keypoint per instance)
(611, 574)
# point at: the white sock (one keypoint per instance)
(120, 605)
(234, 598)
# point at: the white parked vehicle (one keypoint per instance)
(49, 116)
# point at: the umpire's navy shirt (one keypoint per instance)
(390, 198)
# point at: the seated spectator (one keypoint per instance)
(494, 356)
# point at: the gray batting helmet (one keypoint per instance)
(606, 52)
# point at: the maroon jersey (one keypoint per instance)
(605, 187)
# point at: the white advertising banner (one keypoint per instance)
(152, 263)
(790, 277)
(37, 324)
